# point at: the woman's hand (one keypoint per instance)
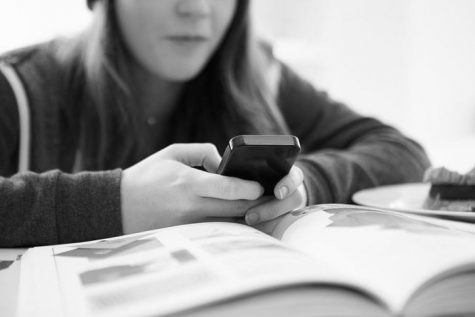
(289, 194)
(165, 190)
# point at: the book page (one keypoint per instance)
(388, 253)
(161, 272)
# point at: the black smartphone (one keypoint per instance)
(262, 158)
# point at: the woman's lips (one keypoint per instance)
(187, 40)
(188, 37)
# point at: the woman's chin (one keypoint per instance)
(181, 73)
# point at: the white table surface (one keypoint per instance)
(9, 281)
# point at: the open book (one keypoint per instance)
(324, 260)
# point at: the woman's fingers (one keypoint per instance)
(193, 154)
(164, 190)
(287, 185)
(275, 208)
(225, 187)
(202, 194)
(219, 208)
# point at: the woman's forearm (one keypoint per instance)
(333, 175)
(54, 207)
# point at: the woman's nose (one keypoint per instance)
(193, 8)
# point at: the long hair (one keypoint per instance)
(230, 96)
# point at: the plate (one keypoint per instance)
(406, 198)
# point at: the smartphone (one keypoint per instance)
(262, 158)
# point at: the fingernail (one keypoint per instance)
(252, 219)
(283, 191)
(261, 191)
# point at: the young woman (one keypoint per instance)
(121, 115)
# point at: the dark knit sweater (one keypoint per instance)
(343, 152)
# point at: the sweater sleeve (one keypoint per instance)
(51, 207)
(54, 207)
(343, 151)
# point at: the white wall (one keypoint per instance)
(29, 21)
(408, 62)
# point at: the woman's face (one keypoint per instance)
(174, 39)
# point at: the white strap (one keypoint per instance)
(24, 115)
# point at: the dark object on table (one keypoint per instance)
(450, 190)
(5, 264)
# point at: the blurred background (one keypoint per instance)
(410, 63)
